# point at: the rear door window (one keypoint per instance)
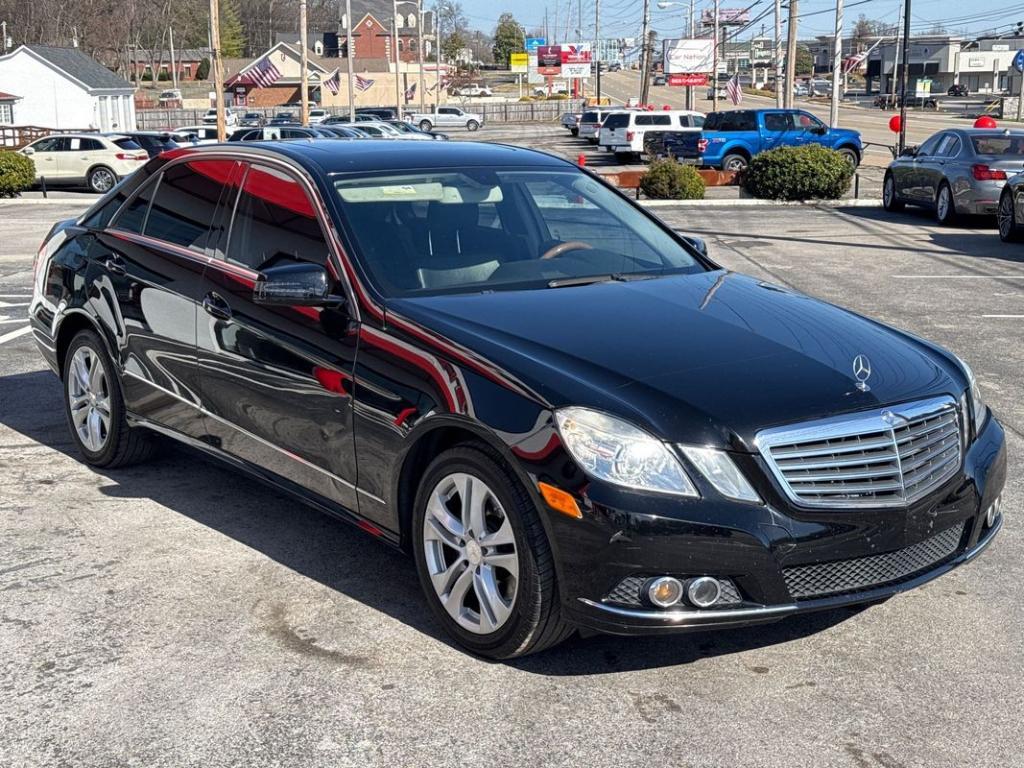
(186, 200)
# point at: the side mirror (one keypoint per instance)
(28, 151)
(697, 243)
(909, 152)
(295, 285)
(821, 130)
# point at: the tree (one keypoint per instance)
(804, 61)
(232, 37)
(508, 38)
(453, 44)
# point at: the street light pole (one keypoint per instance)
(350, 46)
(218, 69)
(904, 76)
(397, 58)
(837, 64)
(304, 69)
(419, 48)
(790, 83)
(714, 65)
(777, 57)
(597, 46)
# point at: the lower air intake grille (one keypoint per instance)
(809, 581)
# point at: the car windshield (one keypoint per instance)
(473, 230)
(999, 144)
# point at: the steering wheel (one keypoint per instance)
(573, 245)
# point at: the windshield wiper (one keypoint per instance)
(620, 277)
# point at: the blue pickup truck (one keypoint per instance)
(729, 139)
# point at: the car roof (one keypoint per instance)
(330, 156)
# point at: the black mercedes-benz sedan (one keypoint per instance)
(566, 412)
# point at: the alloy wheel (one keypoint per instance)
(1005, 217)
(102, 180)
(888, 191)
(89, 399)
(943, 203)
(471, 554)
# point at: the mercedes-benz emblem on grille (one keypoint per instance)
(892, 419)
(862, 372)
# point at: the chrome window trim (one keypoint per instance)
(850, 425)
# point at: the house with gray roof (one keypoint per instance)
(64, 88)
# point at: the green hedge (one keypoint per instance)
(17, 173)
(669, 180)
(810, 172)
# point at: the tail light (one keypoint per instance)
(630, 135)
(984, 173)
(702, 145)
(132, 156)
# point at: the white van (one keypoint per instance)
(623, 132)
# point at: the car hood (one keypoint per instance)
(708, 359)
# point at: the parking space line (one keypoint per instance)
(11, 336)
(1008, 317)
(960, 277)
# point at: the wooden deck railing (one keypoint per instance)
(17, 136)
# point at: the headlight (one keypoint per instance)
(614, 450)
(977, 405)
(721, 472)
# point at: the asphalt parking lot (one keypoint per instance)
(176, 614)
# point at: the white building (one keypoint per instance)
(987, 67)
(66, 89)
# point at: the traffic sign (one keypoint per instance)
(1018, 61)
(533, 43)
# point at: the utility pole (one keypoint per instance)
(791, 54)
(218, 69)
(597, 46)
(690, 100)
(714, 65)
(3, 36)
(174, 69)
(904, 76)
(304, 72)
(419, 51)
(777, 56)
(837, 65)
(394, 46)
(437, 59)
(350, 49)
(645, 52)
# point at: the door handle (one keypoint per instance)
(115, 266)
(214, 305)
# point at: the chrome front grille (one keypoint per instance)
(887, 457)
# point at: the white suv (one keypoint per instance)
(98, 161)
(623, 132)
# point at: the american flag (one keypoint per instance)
(333, 83)
(410, 92)
(363, 83)
(734, 90)
(264, 74)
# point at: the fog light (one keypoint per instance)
(703, 591)
(993, 512)
(664, 591)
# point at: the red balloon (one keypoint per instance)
(985, 121)
(894, 123)
(666, 107)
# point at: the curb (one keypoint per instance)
(47, 201)
(746, 202)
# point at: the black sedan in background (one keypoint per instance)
(565, 411)
(1010, 215)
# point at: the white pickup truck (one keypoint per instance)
(446, 117)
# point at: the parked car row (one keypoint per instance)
(963, 171)
(726, 140)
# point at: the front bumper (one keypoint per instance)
(759, 547)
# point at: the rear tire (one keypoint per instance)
(574, 131)
(472, 125)
(1010, 231)
(95, 410)
(492, 604)
(945, 208)
(425, 125)
(890, 201)
(101, 179)
(735, 162)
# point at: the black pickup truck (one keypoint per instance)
(683, 146)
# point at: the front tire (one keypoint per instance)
(101, 179)
(95, 410)
(890, 201)
(1010, 231)
(851, 156)
(945, 209)
(483, 558)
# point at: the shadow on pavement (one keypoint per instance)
(339, 556)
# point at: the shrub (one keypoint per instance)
(810, 172)
(203, 70)
(558, 97)
(526, 98)
(669, 180)
(163, 76)
(17, 173)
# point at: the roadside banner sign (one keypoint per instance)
(549, 60)
(689, 56)
(923, 88)
(519, 62)
(687, 79)
(533, 43)
(1018, 61)
(576, 60)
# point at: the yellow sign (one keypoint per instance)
(519, 62)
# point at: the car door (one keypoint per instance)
(777, 128)
(927, 170)
(47, 155)
(151, 260)
(276, 381)
(81, 154)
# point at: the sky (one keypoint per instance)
(622, 18)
